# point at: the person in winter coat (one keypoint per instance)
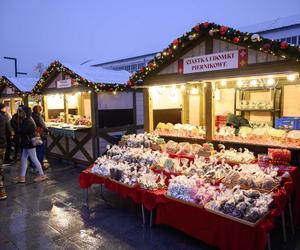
(27, 132)
(42, 130)
(4, 130)
(16, 122)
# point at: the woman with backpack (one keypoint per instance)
(29, 141)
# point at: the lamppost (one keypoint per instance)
(16, 66)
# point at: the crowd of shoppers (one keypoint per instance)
(27, 132)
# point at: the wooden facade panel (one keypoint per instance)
(291, 104)
(56, 150)
(52, 85)
(103, 144)
(8, 91)
(261, 57)
(199, 50)
(80, 156)
(252, 56)
(139, 109)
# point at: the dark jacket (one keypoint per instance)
(5, 129)
(40, 123)
(27, 132)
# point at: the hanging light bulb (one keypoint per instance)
(182, 87)
(253, 83)
(291, 77)
(270, 82)
(194, 91)
(223, 83)
(240, 83)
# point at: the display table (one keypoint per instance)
(198, 222)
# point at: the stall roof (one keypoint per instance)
(99, 75)
(97, 78)
(207, 30)
(24, 84)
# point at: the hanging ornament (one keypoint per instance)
(142, 70)
(255, 38)
(205, 25)
(284, 45)
(170, 51)
(191, 37)
(197, 27)
(175, 42)
(211, 32)
(236, 40)
(266, 47)
(158, 55)
(129, 83)
(223, 30)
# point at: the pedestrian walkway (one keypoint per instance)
(53, 215)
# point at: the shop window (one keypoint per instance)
(289, 39)
(294, 40)
(166, 115)
(115, 117)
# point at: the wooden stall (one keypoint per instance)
(87, 108)
(213, 71)
(17, 90)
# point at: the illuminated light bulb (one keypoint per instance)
(89, 91)
(253, 82)
(173, 91)
(270, 81)
(240, 83)
(114, 92)
(194, 91)
(182, 87)
(291, 77)
(223, 83)
(160, 90)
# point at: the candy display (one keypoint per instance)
(138, 140)
(279, 156)
(251, 176)
(185, 148)
(193, 189)
(249, 205)
(83, 121)
(181, 130)
(209, 169)
(235, 156)
(261, 135)
(152, 181)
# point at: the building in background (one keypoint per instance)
(282, 28)
(130, 64)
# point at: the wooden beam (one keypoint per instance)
(95, 123)
(185, 108)
(148, 111)
(209, 112)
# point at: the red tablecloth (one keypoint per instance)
(139, 195)
(199, 223)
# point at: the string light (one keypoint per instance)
(223, 83)
(291, 77)
(270, 82)
(240, 83)
(253, 83)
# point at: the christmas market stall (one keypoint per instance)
(220, 85)
(87, 108)
(17, 90)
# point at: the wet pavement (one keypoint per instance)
(53, 215)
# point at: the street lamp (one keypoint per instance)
(16, 66)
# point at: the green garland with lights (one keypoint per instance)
(57, 67)
(250, 40)
(4, 82)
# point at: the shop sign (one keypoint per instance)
(64, 84)
(212, 62)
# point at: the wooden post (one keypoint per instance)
(25, 100)
(134, 109)
(95, 123)
(209, 112)
(148, 111)
(185, 108)
(66, 109)
(202, 106)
